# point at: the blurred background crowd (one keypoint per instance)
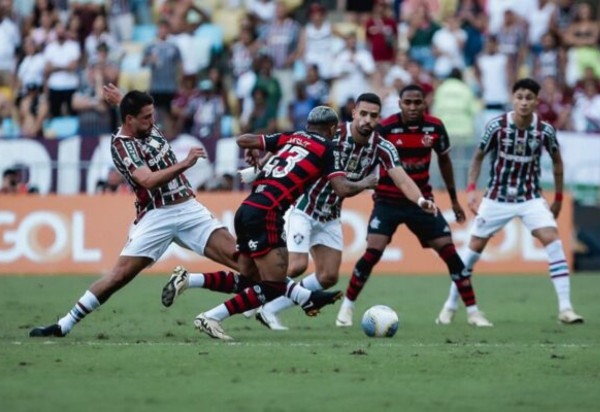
(220, 67)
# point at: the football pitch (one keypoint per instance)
(135, 355)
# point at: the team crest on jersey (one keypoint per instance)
(298, 238)
(364, 162)
(520, 148)
(533, 143)
(427, 140)
(479, 221)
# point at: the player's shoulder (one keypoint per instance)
(496, 123)
(430, 120)
(379, 141)
(547, 129)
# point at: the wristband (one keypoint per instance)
(558, 197)
(471, 187)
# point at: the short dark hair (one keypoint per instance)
(411, 88)
(10, 172)
(132, 103)
(369, 98)
(527, 84)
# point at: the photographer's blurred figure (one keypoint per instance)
(12, 183)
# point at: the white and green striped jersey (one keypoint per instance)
(320, 201)
(515, 157)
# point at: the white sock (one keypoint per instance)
(559, 273)
(281, 303)
(469, 258)
(218, 313)
(196, 280)
(299, 294)
(472, 308)
(347, 303)
(311, 282)
(84, 306)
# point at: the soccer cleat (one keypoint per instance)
(211, 327)
(445, 316)
(569, 317)
(44, 331)
(344, 317)
(249, 314)
(318, 299)
(269, 319)
(478, 319)
(178, 282)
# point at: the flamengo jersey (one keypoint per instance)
(129, 153)
(300, 159)
(414, 143)
(320, 201)
(515, 155)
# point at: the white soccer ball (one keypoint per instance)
(380, 321)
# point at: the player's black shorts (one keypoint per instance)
(386, 217)
(258, 231)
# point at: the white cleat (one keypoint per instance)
(445, 316)
(344, 317)
(479, 320)
(249, 314)
(211, 327)
(569, 317)
(269, 319)
(178, 282)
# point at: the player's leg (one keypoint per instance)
(537, 217)
(148, 240)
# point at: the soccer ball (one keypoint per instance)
(380, 321)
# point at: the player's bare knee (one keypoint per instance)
(328, 279)
(295, 269)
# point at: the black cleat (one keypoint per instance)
(318, 299)
(44, 331)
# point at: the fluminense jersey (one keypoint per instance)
(129, 153)
(320, 201)
(414, 143)
(300, 158)
(515, 157)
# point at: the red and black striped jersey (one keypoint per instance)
(515, 157)
(320, 201)
(414, 143)
(130, 153)
(300, 159)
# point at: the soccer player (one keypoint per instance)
(166, 209)
(415, 135)
(314, 226)
(515, 141)
(300, 158)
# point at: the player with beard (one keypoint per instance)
(416, 135)
(314, 225)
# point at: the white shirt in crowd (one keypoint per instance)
(61, 55)
(352, 71)
(494, 78)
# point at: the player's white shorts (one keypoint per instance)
(188, 224)
(303, 232)
(493, 216)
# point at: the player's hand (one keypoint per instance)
(555, 208)
(252, 157)
(427, 206)
(459, 213)
(194, 154)
(370, 181)
(111, 94)
(472, 202)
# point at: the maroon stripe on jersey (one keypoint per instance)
(314, 194)
(272, 232)
(500, 162)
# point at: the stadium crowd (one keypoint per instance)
(217, 68)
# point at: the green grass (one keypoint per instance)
(135, 355)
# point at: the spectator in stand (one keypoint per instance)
(422, 79)
(421, 29)
(586, 109)
(493, 73)
(352, 69)
(269, 84)
(215, 75)
(262, 119)
(582, 37)
(31, 111)
(120, 18)
(543, 20)
(206, 111)
(281, 39)
(317, 40)
(455, 103)
(382, 34)
(243, 52)
(85, 11)
(564, 14)
(588, 75)
(448, 47)
(180, 103)
(550, 61)
(15, 181)
(512, 41)
(10, 40)
(101, 35)
(300, 107)
(45, 32)
(164, 60)
(554, 105)
(316, 87)
(474, 23)
(62, 62)
(30, 72)
(39, 8)
(262, 10)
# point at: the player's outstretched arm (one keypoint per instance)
(154, 179)
(408, 186)
(347, 188)
(557, 169)
(474, 171)
(447, 171)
